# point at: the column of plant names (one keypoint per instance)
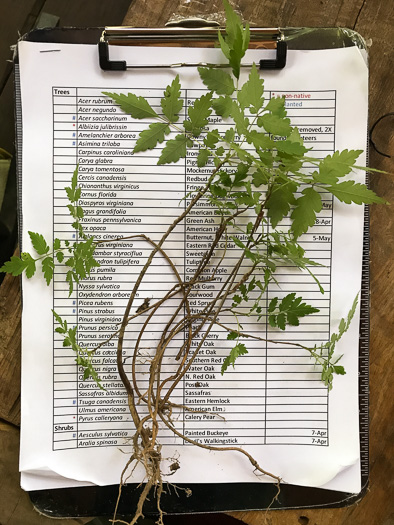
(123, 195)
(274, 395)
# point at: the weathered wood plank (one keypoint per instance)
(10, 348)
(15, 505)
(88, 13)
(269, 13)
(375, 22)
(148, 13)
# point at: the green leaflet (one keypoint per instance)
(276, 106)
(240, 175)
(225, 179)
(39, 243)
(237, 351)
(237, 52)
(172, 103)
(218, 191)
(350, 191)
(73, 192)
(290, 148)
(233, 23)
(229, 135)
(260, 140)
(231, 336)
(222, 106)
(251, 93)
(217, 80)
(241, 122)
(137, 107)
(336, 165)
(295, 136)
(30, 264)
(202, 158)
(275, 125)
(174, 149)
(238, 242)
(260, 177)
(266, 157)
(48, 267)
(280, 200)
(15, 266)
(304, 213)
(236, 40)
(243, 155)
(70, 280)
(60, 256)
(211, 138)
(198, 114)
(149, 138)
(223, 45)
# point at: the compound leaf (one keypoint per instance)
(288, 311)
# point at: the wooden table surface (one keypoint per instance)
(374, 20)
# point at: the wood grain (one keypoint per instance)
(10, 349)
(89, 13)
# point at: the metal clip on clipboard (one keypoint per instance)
(194, 36)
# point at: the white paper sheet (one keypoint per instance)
(309, 439)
